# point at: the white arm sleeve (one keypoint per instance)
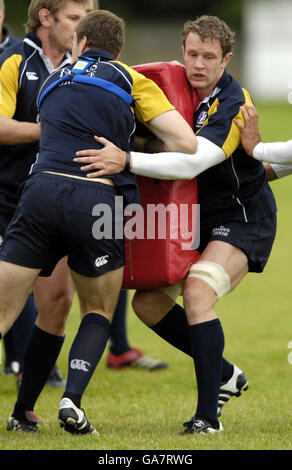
(274, 152)
(175, 165)
(282, 170)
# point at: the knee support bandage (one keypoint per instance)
(213, 274)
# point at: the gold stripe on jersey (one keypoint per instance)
(9, 77)
(234, 138)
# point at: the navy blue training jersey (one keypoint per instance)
(236, 189)
(23, 68)
(71, 113)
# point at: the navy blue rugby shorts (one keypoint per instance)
(7, 208)
(255, 239)
(54, 219)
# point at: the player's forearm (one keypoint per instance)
(270, 173)
(275, 171)
(14, 132)
(172, 165)
(274, 152)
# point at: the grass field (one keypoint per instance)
(136, 409)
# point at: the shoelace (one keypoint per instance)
(189, 425)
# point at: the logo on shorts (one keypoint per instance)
(101, 261)
(1, 240)
(79, 364)
(222, 231)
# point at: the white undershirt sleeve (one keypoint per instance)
(274, 152)
(282, 170)
(175, 165)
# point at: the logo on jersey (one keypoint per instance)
(215, 92)
(201, 118)
(101, 261)
(79, 364)
(31, 76)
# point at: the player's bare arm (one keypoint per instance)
(173, 134)
(270, 172)
(250, 134)
(164, 165)
(13, 132)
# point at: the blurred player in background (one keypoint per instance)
(15, 341)
(22, 71)
(6, 40)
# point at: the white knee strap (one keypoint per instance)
(173, 291)
(213, 274)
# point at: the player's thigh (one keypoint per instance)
(98, 294)
(16, 280)
(231, 258)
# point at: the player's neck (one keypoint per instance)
(49, 49)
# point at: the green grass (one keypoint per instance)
(136, 409)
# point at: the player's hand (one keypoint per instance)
(250, 134)
(108, 160)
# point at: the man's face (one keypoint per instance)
(63, 26)
(204, 63)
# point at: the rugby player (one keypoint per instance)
(23, 67)
(54, 217)
(238, 218)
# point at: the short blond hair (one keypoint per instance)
(2, 5)
(53, 6)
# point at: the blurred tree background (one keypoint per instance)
(153, 27)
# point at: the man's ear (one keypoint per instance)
(44, 15)
(227, 59)
(83, 44)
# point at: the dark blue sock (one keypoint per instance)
(207, 342)
(16, 340)
(85, 353)
(174, 328)
(39, 359)
(118, 328)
